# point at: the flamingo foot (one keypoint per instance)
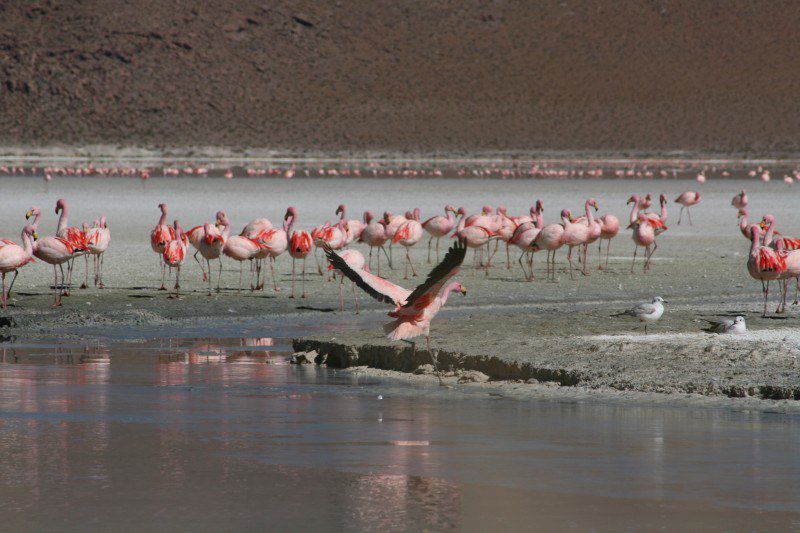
(83, 286)
(57, 304)
(101, 285)
(65, 293)
(163, 288)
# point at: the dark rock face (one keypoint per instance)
(456, 75)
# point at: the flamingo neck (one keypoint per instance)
(62, 219)
(589, 216)
(635, 211)
(754, 245)
(163, 220)
(770, 232)
(450, 287)
(226, 229)
(743, 224)
(27, 243)
(36, 218)
(344, 210)
(663, 211)
(288, 223)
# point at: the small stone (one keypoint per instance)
(424, 369)
(304, 358)
(472, 376)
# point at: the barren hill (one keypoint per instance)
(448, 75)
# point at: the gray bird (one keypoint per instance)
(646, 312)
(729, 326)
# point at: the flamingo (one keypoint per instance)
(97, 240)
(374, 235)
(408, 235)
(159, 237)
(792, 271)
(508, 226)
(595, 230)
(786, 243)
(414, 310)
(687, 200)
(13, 257)
(764, 263)
(575, 234)
(474, 237)
(353, 227)
(210, 247)
(55, 251)
(609, 228)
(492, 223)
(393, 222)
(241, 248)
(524, 238)
(254, 228)
(276, 242)
(300, 245)
(643, 232)
(550, 238)
(740, 200)
(75, 236)
(174, 254)
(645, 203)
(355, 260)
(197, 235)
(438, 227)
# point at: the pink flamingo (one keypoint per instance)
(255, 227)
(786, 243)
(97, 240)
(210, 247)
(197, 235)
(643, 233)
(55, 251)
(575, 234)
(393, 222)
(740, 200)
(687, 200)
(414, 310)
(438, 227)
(550, 238)
(355, 260)
(474, 237)
(764, 263)
(595, 231)
(276, 242)
(792, 271)
(300, 245)
(13, 257)
(744, 226)
(241, 248)
(524, 238)
(407, 236)
(353, 227)
(159, 237)
(174, 254)
(609, 228)
(645, 203)
(374, 235)
(75, 236)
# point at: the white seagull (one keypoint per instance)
(730, 326)
(646, 312)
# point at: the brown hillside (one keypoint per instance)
(450, 75)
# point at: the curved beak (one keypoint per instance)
(28, 215)
(596, 206)
(464, 291)
(35, 236)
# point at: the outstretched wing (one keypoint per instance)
(445, 270)
(377, 287)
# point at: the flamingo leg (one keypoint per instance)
(635, 250)
(408, 257)
(608, 251)
(163, 273)
(379, 258)
(219, 276)
(680, 215)
(178, 282)
(430, 241)
(293, 270)
(272, 270)
(316, 258)
(355, 297)
(208, 264)
(437, 249)
(766, 296)
(689, 214)
(522, 266)
(369, 261)
(530, 266)
(3, 296)
(795, 302)
(11, 286)
(304, 279)
(650, 255)
(569, 260)
(202, 269)
(85, 284)
(241, 271)
(434, 359)
(341, 294)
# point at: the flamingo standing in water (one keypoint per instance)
(575, 234)
(393, 222)
(474, 237)
(687, 200)
(551, 238)
(161, 235)
(75, 236)
(356, 261)
(255, 227)
(764, 263)
(55, 251)
(97, 240)
(414, 310)
(609, 228)
(174, 254)
(13, 257)
(210, 247)
(644, 234)
(740, 200)
(786, 243)
(276, 242)
(524, 238)
(408, 235)
(438, 227)
(300, 245)
(241, 249)
(197, 235)
(792, 271)
(353, 227)
(374, 235)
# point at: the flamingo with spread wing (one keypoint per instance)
(414, 310)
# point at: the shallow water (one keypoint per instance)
(223, 433)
